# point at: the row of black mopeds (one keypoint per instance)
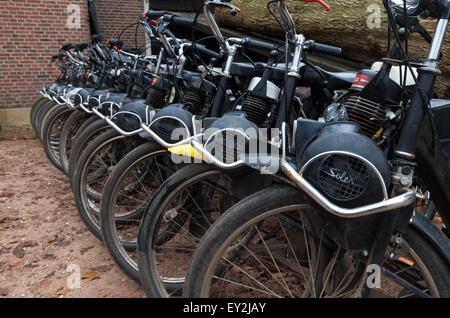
(238, 169)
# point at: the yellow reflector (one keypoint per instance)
(378, 134)
(186, 150)
(46, 95)
(406, 261)
(172, 95)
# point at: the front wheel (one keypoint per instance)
(128, 191)
(52, 132)
(181, 211)
(91, 129)
(268, 245)
(67, 137)
(92, 171)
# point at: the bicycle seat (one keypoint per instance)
(339, 80)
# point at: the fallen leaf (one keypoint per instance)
(85, 249)
(15, 264)
(6, 246)
(27, 244)
(44, 283)
(61, 242)
(6, 194)
(4, 219)
(303, 283)
(49, 256)
(101, 268)
(50, 274)
(90, 275)
(30, 265)
(61, 291)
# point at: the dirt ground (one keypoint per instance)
(41, 234)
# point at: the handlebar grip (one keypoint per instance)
(132, 50)
(181, 21)
(67, 47)
(325, 49)
(82, 46)
(115, 42)
(155, 14)
(258, 44)
(207, 51)
(96, 38)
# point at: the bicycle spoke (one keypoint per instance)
(275, 263)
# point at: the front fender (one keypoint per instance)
(432, 233)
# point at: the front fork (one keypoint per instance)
(292, 76)
(414, 115)
(404, 161)
(219, 99)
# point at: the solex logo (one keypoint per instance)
(340, 175)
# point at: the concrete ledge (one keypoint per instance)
(15, 123)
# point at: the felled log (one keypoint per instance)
(357, 26)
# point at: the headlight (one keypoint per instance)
(398, 5)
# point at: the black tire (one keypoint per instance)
(433, 261)
(40, 115)
(145, 156)
(189, 177)
(88, 204)
(37, 111)
(34, 110)
(92, 128)
(49, 113)
(252, 211)
(51, 133)
(68, 134)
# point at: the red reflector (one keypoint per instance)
(361, 81)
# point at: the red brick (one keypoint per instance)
(31, 31)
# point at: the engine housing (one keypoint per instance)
(350, 170)
(171, 118)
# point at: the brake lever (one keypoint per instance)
(163, 28)
(233, 9)
(327, 7)
(423, 32)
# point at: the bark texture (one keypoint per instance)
(358, 26)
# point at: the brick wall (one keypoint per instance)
(31, 31)
(115, 15)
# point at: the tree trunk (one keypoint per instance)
(359, 27)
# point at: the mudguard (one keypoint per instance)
(432, 234)
(432, 168)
